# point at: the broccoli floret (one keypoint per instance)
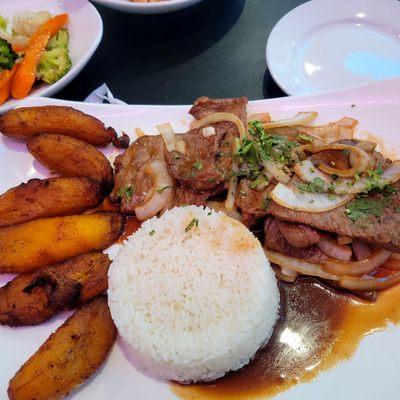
(7, 56)
(61, 39)
(54, 64)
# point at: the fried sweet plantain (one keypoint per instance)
(32, 298)
(67, 156)
(68, 357)
(29, 246)
(51, 197)
(25, 122)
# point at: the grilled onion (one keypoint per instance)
(361, 158)
(220, 117)
(301, 118)
(290, 197)
(261, 117)
(161, 192)
(331, 248)
(369, 282)
(276, 171)
(393, 262)
(357, 268)
(306, 171)
(301, 266)
(168, 135)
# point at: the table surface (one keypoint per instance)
(215, 48)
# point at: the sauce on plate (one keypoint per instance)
(319, 327)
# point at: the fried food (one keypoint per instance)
(68, 357)
(32, 298)
(25, 122)
(29, 246)
(51, 197)
(67, 156)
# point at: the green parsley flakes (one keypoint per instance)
(126, 192)
(161, 190)
(193, 223)
(316, 186)
(152, 232)
(364, 207)
(198, 165)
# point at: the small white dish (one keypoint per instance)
(327, 45)
(161, 7)
(85, 28)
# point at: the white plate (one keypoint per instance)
(161, 7)
(86, 30)
(326, 45)
(375, 367)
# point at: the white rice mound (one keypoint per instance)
(193, 295)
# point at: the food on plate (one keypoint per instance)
(32, 298)
(31, 245)
(302, 180)
(25, 122)
(50, 197)
(68, 357)
(190, 319)
(67, 156)
(236, 222)
(33, 48)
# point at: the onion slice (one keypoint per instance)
(306, 171)
(357, 268)
(290, 197)
(301, 266)
(261, 117)
(276, 170)
(220, 117)
(369, 282)
(362, 158)
(161, 192)
(208, 131)
(301, 118)
(168, 135)
(393, 262)
(331, 248)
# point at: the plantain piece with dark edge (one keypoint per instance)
(32, 245)
(68, 357)
(25, 122)
(33, 298)
(39, 198)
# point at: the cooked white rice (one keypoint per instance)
(193, 295)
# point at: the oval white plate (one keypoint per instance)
(373, 370)
(147, 8)
(86, 30)
(327, 45)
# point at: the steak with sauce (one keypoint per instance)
(382, 231)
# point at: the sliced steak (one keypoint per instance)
(383, 231)
(131, 183)
(207, 161)
(252, 203)
(185, 196)
(298, 235)
(274, 240)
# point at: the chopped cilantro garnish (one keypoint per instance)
(316, 186)
(209, 213)
(211, 180)
(363, 207)
(198, 165)
(304, 138)
(374, 179)
(152, 232)
(260, 146)
(126, 192)
(397, 210)
(163, 188)
(346, 152)
(261, 181)
(193, 223)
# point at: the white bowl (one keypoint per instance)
(147, 8)
(86, 30)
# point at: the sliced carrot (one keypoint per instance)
(53, 25)
(5, 83)
(25, 76)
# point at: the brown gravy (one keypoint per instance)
(132, 224)
(319, 327)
